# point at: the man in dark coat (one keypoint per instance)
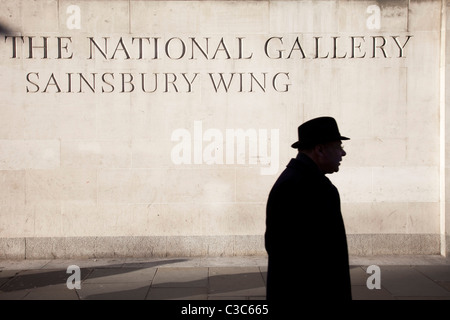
(305, 235)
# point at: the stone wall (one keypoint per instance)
(157, 128)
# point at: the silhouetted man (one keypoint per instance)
(305, 234)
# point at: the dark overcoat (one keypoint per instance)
(305, 236)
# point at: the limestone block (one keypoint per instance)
(194, 16)
(389, 120)
(378, 244)
(303, 16)
(123, 186)
(391, 217)
(61, 186)
(249, 245)
(370, 84)
(394, 16)
(13, 113)
(387, 184)
(446, 251)
(104, 154)
(253, 216)
(152, 246)
(191, 219)
(165, 185)
(186, 246)
(147, 120)
(44, 248)
(28, 154)
(408, 184)
(68, 119)
(256, 111)
(17, 221)
(416, 244)
(151, 153)
(354, 183)
(41, 16)
(84, 220)
(12, 248)
(12, 123)
(424, 74)
(426, 147)
(161, 219)
(359, 245)
(13, 187)
(428, 122)
(353, 15)
(201, 185)
(47, 220)
(424, 15)
(373, 152)
(113, 118)
(84, 247)
(94, 15)
(130, 246)
(354, 122)
(220, 246)
(11, 15)
(234, 219)
(251, 186)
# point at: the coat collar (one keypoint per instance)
(302, 162)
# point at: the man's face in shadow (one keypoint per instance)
(330, 156)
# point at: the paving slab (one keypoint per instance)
(405, 281)
(225, 297)
(160, 263)
(14, 295)
(6, 275)
(358, 276)
(236, 282)
(178, 293)
(52, 292)
(181, 277)
(31, 279)
(121, 275)
(436, 273)
(363, 293)
(445, 284)
(23, 264)
(84, 263)
(113, 291)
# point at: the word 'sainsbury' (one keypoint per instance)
(229, 150)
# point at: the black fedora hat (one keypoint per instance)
(316, 131)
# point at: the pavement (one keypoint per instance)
(208, 278)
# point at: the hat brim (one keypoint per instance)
(299, 144)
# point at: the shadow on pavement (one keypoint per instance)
(31, 279)
(226, 286)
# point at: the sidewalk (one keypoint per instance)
(209, 278)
